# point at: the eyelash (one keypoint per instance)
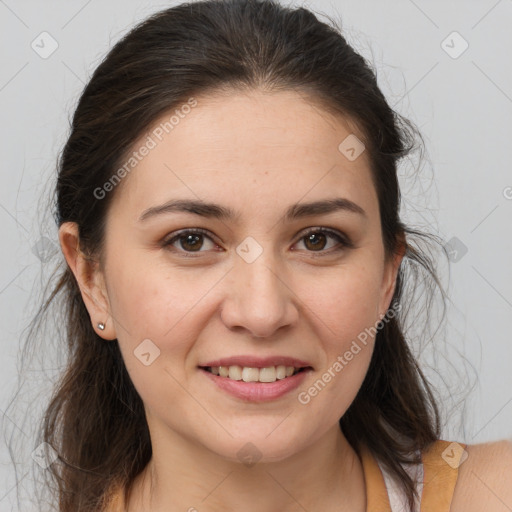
(343, 241)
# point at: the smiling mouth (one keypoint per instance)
(250, 374)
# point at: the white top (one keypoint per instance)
(397, 499)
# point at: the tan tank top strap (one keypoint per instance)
(440, 468)
(114, 499)
(377, 499)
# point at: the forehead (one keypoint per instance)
(247, 149)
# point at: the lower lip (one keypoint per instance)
(258, 391)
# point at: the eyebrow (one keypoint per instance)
(216, 211)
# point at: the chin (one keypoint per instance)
(258, 445)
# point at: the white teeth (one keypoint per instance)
(268, 374)
(280, 372)
(235, 372)
(248, 374)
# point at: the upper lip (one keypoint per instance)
(258, 362)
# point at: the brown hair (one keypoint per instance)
(96, 419)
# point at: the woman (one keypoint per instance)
(228, 209)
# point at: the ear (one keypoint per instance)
(90, 280)
(390, 274)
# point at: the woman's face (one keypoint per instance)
(253, 289)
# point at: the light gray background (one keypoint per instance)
(463, 106)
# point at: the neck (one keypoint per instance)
(327, 476)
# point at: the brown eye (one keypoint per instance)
(190, 241)
(316, 240)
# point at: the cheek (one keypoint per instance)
(154, 318)
(152, 300)
(147, 305)
(346, 300)
(169, 308)
(344, 312)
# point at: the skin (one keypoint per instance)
(484, 479)
(242, 151)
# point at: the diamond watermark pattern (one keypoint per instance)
(249, 455)
(454, 45)
(44, 249)
(44, 455)
(146, 352)
(456, 249)
(454, 455)
(351, 147)
(44, 45)
(249, 250)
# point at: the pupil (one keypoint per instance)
(311, 237)
(191, 237)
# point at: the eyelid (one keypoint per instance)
(344, 239)
(175, 235)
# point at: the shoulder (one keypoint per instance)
(484, 479)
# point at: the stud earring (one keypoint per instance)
(101, 326)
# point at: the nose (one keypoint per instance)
(258, 298)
